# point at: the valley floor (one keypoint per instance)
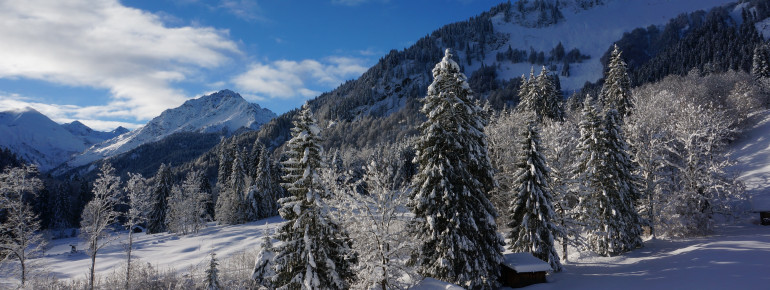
(735, 257)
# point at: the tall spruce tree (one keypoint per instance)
(455, 220)
(761, 62)
(231, 205)
(609, 187)
(156, 221)
(315, 253)
(552, 99)
(532, 221)
(541, 96)
(265, 190)
(616, 91)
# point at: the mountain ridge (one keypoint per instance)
(224, 111)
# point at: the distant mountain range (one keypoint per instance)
(38, 139)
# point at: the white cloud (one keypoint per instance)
(289, 79)
(105, 45)
(245, 9)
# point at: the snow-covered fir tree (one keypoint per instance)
(315, 253)
(616, 91)
(231, 205)
(265, 190)
(161, 190)
(532, 221)
(608, 184)
(545, 87)
(263, 267)
(212, 274)
(20, 236)
(760, 68)
(99, 214)
(540, 96)
(454, 217)
(624, 179)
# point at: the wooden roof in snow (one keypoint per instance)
(525, 263)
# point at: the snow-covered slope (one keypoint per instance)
(221, 111)
(38, 139)
(591, 30)
(752, 156)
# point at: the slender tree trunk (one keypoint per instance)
(564, 256)
(650, 200)
(128, 262)
(23, 271)
(93, 265)
(91, 277)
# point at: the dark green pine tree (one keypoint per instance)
(609, 188)
(540, 96)
(532, 222)
(156, 220)
(623, 181)
(616, 91)
(761, 66)
(315, 253)
(231, 206)
(453, 215)
(545, 87)
(265, 189)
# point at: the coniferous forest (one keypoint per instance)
(418, 170)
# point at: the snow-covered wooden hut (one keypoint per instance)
(761, 205)
(522, 269)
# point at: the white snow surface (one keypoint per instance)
(223, 110)
(525, 263)
(163, 250)
(592, 31)
(752, 155)
(433, 284)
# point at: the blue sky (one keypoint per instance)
(110, 62)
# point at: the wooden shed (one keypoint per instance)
(761, 204)
(522, 269)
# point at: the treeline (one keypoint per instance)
(711, 42)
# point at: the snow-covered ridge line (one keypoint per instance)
(223, 111)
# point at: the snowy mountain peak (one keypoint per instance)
(224, 111)
(77, 128)
(36, 138)
(119, 130)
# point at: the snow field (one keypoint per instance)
(163, 251)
